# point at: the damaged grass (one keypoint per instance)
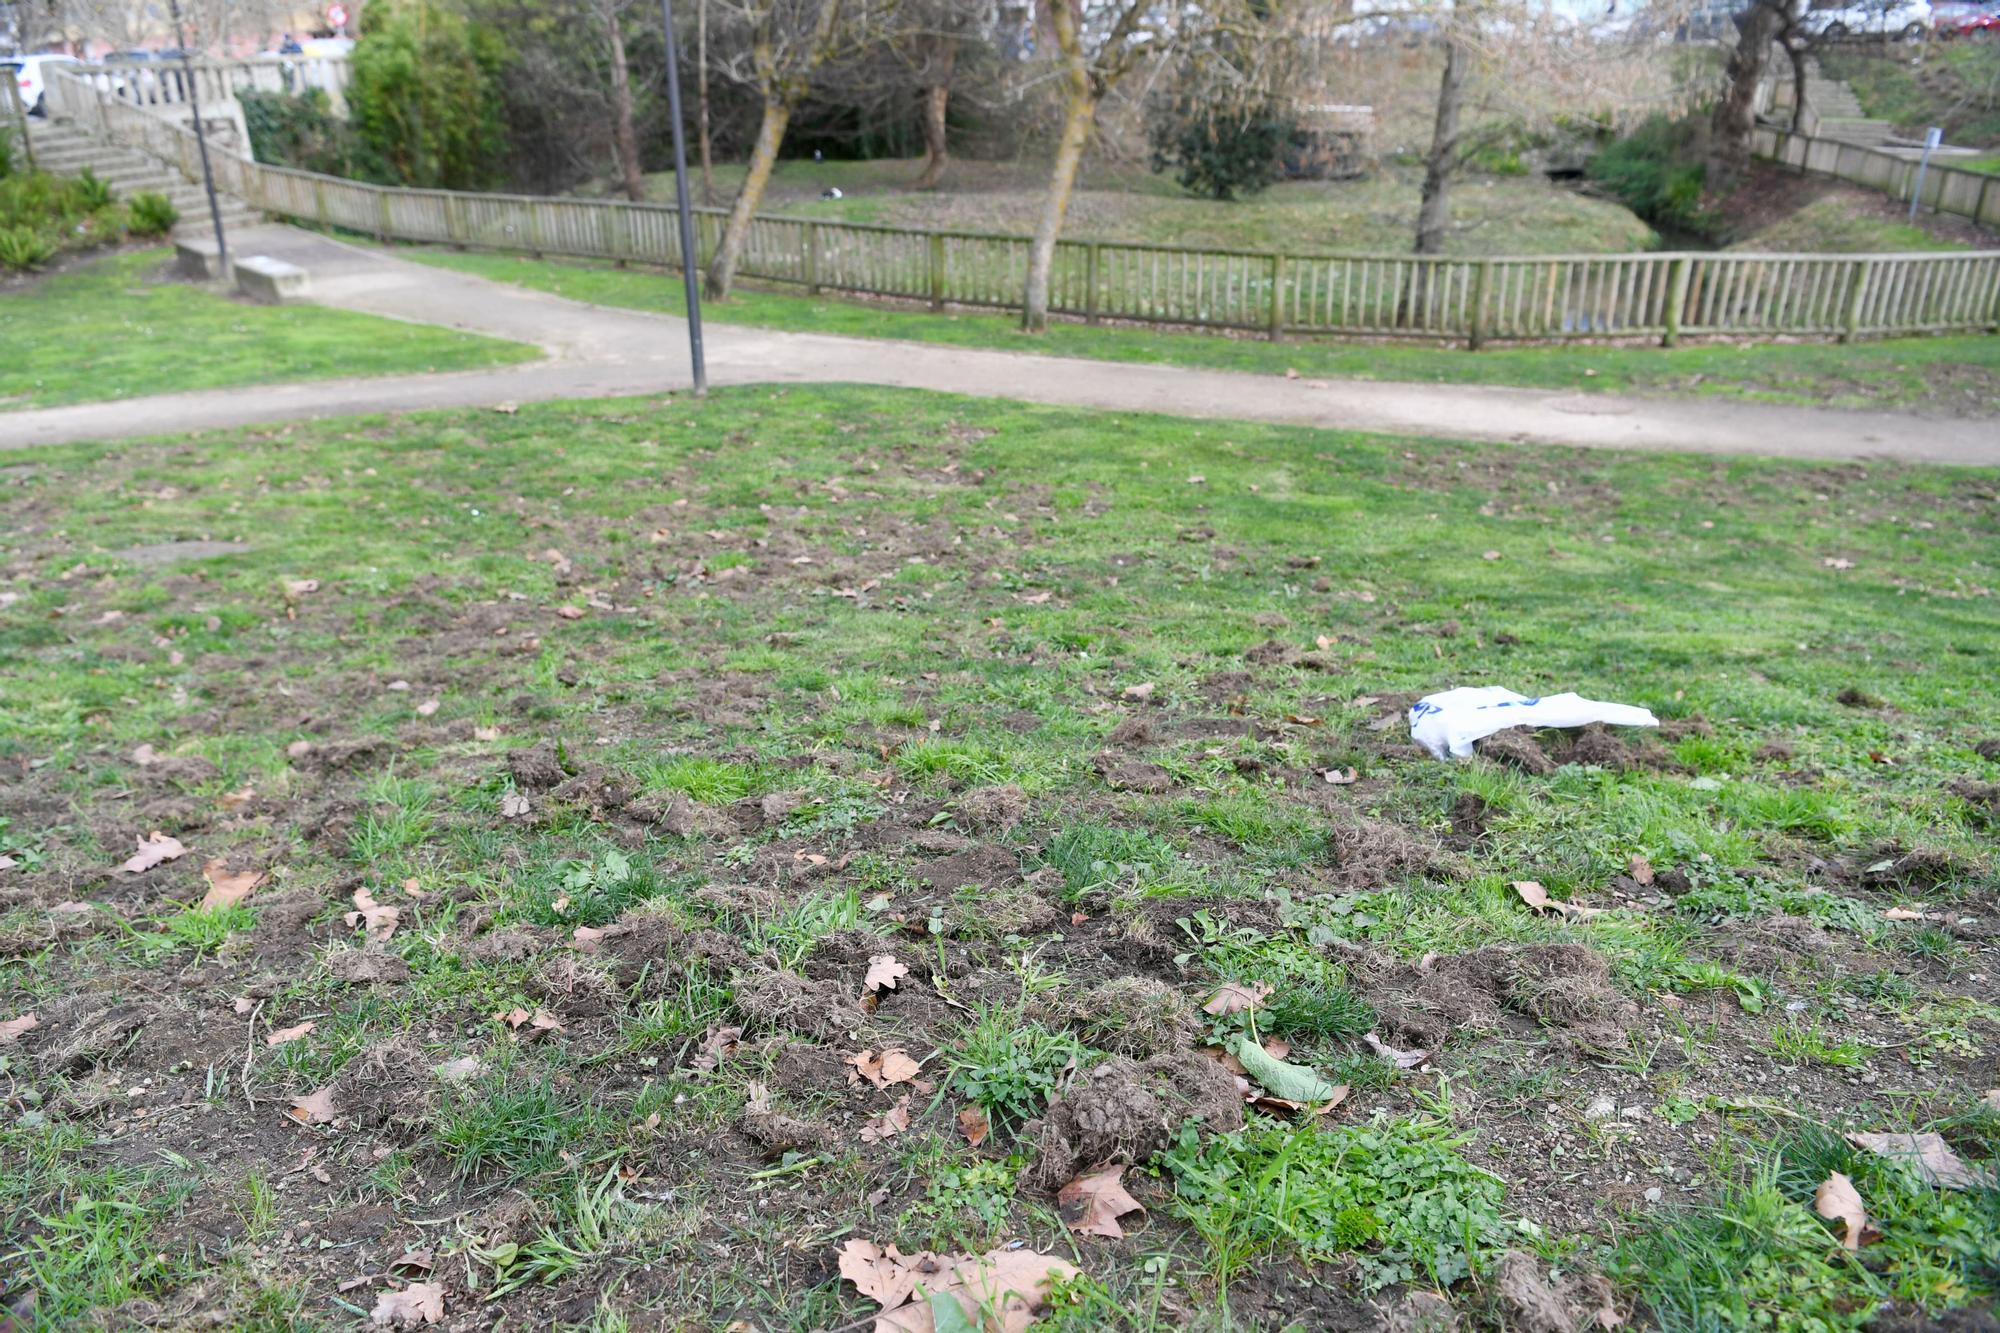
(658, 864)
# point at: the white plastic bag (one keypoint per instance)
(1450, 722)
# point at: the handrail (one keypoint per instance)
(1663, 295)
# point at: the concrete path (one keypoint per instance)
(595, 351)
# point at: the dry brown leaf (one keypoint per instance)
(538, 1023)
(1093, 1202)
(1640, 869)
(1401, 1059)
(1909, 914)
(1534, 895)
(462, 1070)
(892, 1066)
(14, 1029)
(235, 800)
(378, 920)
(1139, 693)
(1341, 777)
(418, 1303)
(999, 1291)
(154, 848)
(314, 1108)
(883, 973)
(890, 1123)
(145, 755)
(226, 889)
(1235, 997)
(972, 1123)
(1837, 1200)
(428, 707)
(717, 1045)
(514, 805)
(300, 587)
(283, 1035)
(415, 1261)
(570, 612)
(1932, 1156)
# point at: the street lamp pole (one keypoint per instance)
(690, 256)
(200, 139)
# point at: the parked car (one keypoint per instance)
(1845, 20)
(31, 77)
(1969, 22)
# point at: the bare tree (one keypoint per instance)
(1735, 117)
(623, 137)
(784, 43)
(1097, 44)
(701, 102)
(1441, 162)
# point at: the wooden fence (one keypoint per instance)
(1663, 296)
(1946, 189)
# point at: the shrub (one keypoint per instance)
(1221, 150)
(151, 215)
(302, 131)
(1657, 171)
(91, 193)
(425, 97)
(6, 152)
(24, 248)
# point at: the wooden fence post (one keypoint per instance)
(1090, 284)
(812, 259)
(1276, 327)
(620, 244)
(937, 271)
(1677, 291)
(454, 220)
(1476, 317)
(319, 202)
(383, 197)
(1850, 323)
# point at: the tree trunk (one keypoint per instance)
(1736, 110)
(701, 100)
(1441, 163)
(622, 135)
(937, 98)
(1795, 47)
(771, 133)
(1079, 113)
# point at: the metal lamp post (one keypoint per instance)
(690, 256)
(200, 139)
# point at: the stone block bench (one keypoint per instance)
(270, 281)
(199, 260)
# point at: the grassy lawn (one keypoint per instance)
(657, 850)
(1958, 375)
(1954, 85)
(115, 328)
(1491, 215)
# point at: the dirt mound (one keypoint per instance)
(675, 813)
(992, 810)
(984, 868)
(1517, 748)
(1122, 774)
(1132, 733)
(81, 1032)
(366, 967)
(1988, 748)
(1890, 865)
(1596, 745)
(780, 1001)
(1775, 945)
(512, 945)
(537, 768)
(1369, 853)
(1526, 1301)
(596, 787)
(1124, 1111)
(325, 758)
(1135, 1016)
(1564, 987)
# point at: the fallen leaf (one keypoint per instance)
(486, 733)
(418, 1303)
(1837, 562)
(1489, 555)
(1400, 1059)
(462, 1070)
(1092, 1203)
(997, 1292)
(514, 805)
(1537, 897)
(154, 848)
(1931, 1155)
(415, 1261)
(8, 863)
(226, 889)
(892, 1066)
(883, 973)
(298, 749)
(235, 800)
(1991, 1101)
(1138, 693)
(972, 1123)
(283, 1035)
(378, 920)
(1909, 914)
(243, 1004)
(14, 1029)
(717, 1045)
(570, 612)
(890, 1123)
(427, 707)
(315, 1108)
(1341, 777)
(300, 587)
(1837, 1200)
(1235, 997)
(145, 755)
(538, 1022)
(1640, 869)
(1289, 1082)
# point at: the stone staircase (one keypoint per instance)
(1839, 113)
(65, 150)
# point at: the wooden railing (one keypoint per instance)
(1663, 296)
(1946, 189)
